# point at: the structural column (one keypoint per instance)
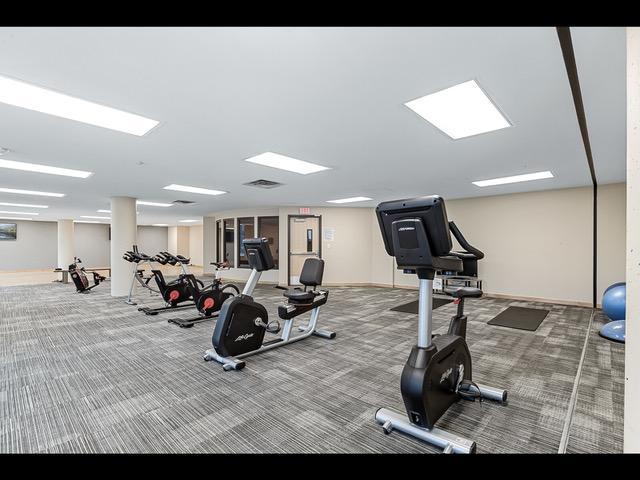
(632, 346)
(66, 244)
(123, 237)
(208, 244)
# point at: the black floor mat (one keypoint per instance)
(520, 317)
(412, 307)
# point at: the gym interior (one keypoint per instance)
(319, 240)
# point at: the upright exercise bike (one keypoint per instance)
(243, 322)
(208, 300)
(438, 371)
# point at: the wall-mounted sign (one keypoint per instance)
(329, 234)
(304, 211)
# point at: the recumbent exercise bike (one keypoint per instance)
(243, 322)
(438, 371)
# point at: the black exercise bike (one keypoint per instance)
(208, 299)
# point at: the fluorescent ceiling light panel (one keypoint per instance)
(275, 160)
(95, 216)
(154, 204)
(32, 97)
(188, 221)
(18, 213)
(14, 218)
(85, 221)
(186, 188)
(460, 111)
(104, 211)
(515, 179)
(27, 205)
(350, 200)
(159, 224)
(30, 192)
(35, 167)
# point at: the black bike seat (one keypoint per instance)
(464, 292)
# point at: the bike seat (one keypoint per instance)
(299, 296)
(464, 292)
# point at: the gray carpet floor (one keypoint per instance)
(88, 373)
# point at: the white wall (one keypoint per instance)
(92, 244)
(172, 239)
(36, 246)
(152, 240)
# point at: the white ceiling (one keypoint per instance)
(332, 96)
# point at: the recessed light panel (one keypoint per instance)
(26, 205)
(275, 160)
(515, 179)
(95, 216)
(30, 192)
(24, 95)
(188, 221)
(186, 188)
(18, 213)
(350, 200)
(460, 111)
(154, 204)
(14, 218)
(34, 167)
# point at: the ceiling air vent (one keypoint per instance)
(183, 202)
(263, 184)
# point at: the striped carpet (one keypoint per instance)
(88, 373)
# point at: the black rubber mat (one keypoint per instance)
(412, 307)
(520, 317)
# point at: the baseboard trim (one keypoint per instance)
(487, 294)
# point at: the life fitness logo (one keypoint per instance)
(243, 337)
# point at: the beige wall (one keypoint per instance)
(537, 244)
(196, 245)
(348, 256)
(612, 212)
(172, 239)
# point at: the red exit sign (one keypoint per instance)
(305, 211)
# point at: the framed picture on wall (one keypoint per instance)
(8, 231)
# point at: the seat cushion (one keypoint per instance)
(464, 292)
(299, 296)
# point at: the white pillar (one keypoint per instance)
(66, 244)
(632, 346)
(123, 237)
(208, 243)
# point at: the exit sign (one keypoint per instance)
(305, 210)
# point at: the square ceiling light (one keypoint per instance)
(25, 95)
(514, 179)
(460, 111)
(275, 160)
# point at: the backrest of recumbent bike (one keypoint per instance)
(415, 230)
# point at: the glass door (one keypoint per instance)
(304, 242)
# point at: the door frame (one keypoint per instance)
(289, 217)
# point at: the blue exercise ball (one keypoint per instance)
(614, 331)
(614, 285)
(614, 301)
